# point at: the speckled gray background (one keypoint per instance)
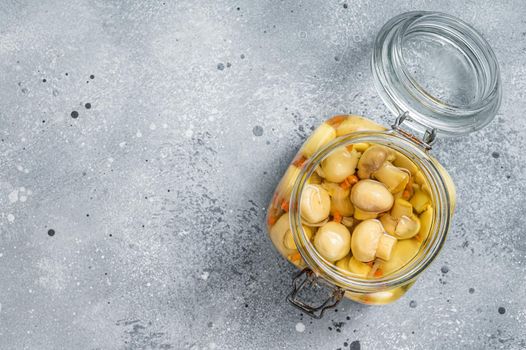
(157, 193)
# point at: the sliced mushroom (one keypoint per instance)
(403, 161)
(402, 253)
(370, 198)
(315, 204)
(420, 201)
(340, 201)
(319, 138)
(419, 178)
(389, 223)
(340, 164)
(401, 207)
(372, 160)
(407, 227)
(355, 123)
(333, 241)
(370, 241)
(393, 177)
(385, 246)
(358, 268)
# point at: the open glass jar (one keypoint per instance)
(439, 77)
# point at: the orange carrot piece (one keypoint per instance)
(337, 217)
(295, 257)
(349, 148)
(378, 273)
(336, 120)
(345, 184)
(406, 195)
(353, 179)
(285, 205)
(299, 161)
(271, 220)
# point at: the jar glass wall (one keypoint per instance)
(288, 229)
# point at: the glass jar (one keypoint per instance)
(439, 77)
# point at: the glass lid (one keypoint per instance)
(438, 71)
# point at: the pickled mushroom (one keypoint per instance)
(401, 207)
(372, 159)
(359, 268)
(407, 227)
(420, 201)
(370, 241)
(403, 161)
(370, 198)
(333, 241)
(340, 164)
(315, 204)
(340, 201)
(389, 223)
(393, 177)
(402, 253)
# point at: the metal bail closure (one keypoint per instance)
(429, 135)
(307, 279)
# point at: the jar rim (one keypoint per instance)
(401, 91)
(419, 263)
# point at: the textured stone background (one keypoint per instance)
(156, 193)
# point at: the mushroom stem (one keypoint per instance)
(375, 267)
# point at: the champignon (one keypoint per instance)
(315, 204)
(393, 177)
(407, 227)
(370, 198)
(340, 201)
(372, 159)
(333, 241)
(340, 164)
(370, 241)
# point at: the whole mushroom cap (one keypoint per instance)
(365, 239)
(315, 204)
(333, 241)
(372, 159)
(371, 196)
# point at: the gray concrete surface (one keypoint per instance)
(157, 193)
